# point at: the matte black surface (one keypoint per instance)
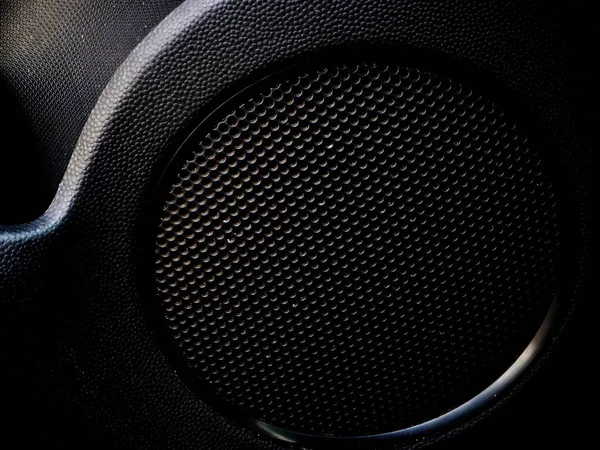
(356, 249)
(56, 57)
(76, 337)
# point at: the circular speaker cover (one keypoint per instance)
(355, 249)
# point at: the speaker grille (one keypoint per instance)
(355, 249)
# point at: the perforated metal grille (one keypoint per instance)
(356, 249)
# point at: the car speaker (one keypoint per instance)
(357, 249)
(322, 224)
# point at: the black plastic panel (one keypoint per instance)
(79, 348)
(56, 57)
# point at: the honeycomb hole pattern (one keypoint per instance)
(356, 249)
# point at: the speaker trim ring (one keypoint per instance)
(477, 403)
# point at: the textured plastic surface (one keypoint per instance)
(75, 285)
(357, 249)
(56, 57)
